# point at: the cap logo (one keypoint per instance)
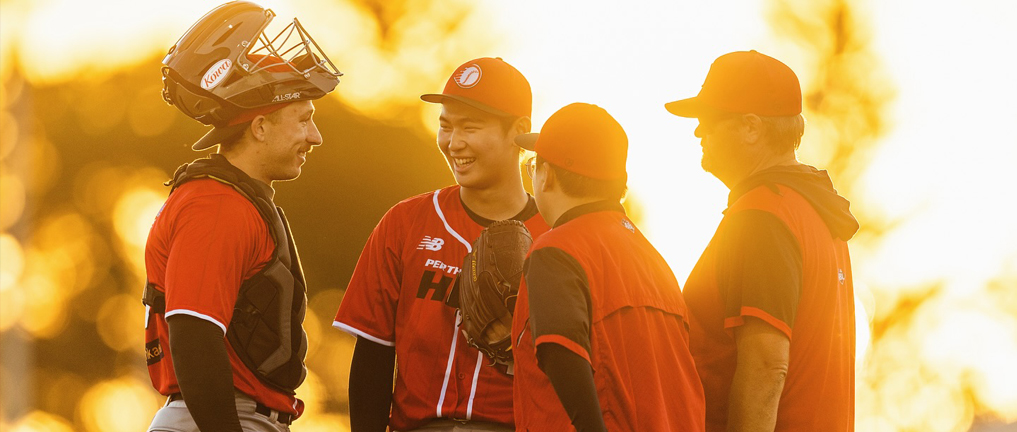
(468, 77)
(215, 74)
(286, 97)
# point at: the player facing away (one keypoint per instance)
(225, 297)
(394, 302)
(773, 329)
(601, 328)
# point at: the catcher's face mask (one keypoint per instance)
(226, 63)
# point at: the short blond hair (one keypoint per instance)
(784, 133)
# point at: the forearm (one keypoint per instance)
(204, 374)
(759, 377)
(754, 397)
(371, 386)
(572, 379)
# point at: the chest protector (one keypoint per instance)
(266, 331)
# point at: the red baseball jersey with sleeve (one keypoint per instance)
(633, 331)
(773, 258)
(205, 242)
(395, 298)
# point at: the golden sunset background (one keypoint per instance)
(910, 105)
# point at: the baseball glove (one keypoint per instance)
(487, 287)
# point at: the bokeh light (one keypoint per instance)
(39, 421)
(120, 405)
(118, 322)
(133, 214)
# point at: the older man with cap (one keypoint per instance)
(225, 295)
(771, 297)
(394, 301)
(601, 328)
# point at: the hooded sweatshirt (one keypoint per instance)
(772, 259)
(814, 185)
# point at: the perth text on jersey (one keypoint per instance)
(437, 281)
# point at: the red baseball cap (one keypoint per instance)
(238, 123)
(490, 85)
(744, 82)
(584, 139)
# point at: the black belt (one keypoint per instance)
(284, 418)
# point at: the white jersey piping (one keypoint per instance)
(197, 315)
(437, 209)
(473, 390)
(455, 335)
(448, 368)
(357, 332)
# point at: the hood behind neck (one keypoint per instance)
(812, 184)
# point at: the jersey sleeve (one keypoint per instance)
(759, 270)
(368, 307)
(217, 241)
(559, 300)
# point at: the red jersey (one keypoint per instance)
(205, 242)
(774, 258)
(395, 298)
(630, 326)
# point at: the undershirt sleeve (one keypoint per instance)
(559, 298)
(759, 270)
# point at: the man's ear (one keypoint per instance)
(259, 127)
(752, 128)
(522, 125)
(550, 179)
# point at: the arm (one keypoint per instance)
(759, 274)
(759, 377)
(560, 317)
(371, 386)
(572, 378)
(203, 372)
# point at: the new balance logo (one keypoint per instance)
(432, 244)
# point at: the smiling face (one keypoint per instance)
(290, 134)
(479, 149)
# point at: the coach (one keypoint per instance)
(771, 298)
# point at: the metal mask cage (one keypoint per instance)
(303, 47)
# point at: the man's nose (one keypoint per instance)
(314, 135)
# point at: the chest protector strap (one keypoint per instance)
(266, 330)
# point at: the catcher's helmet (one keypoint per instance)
(225, 65)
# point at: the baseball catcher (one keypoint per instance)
(485, 291)
(225, 297)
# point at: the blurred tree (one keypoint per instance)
(922, 372)
(846, 91)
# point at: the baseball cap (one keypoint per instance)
(489, 84)
(238, 123)
(234, 127)
(582, 138)
(744, 82)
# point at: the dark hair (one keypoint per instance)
(580, 186)
(507, 122)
